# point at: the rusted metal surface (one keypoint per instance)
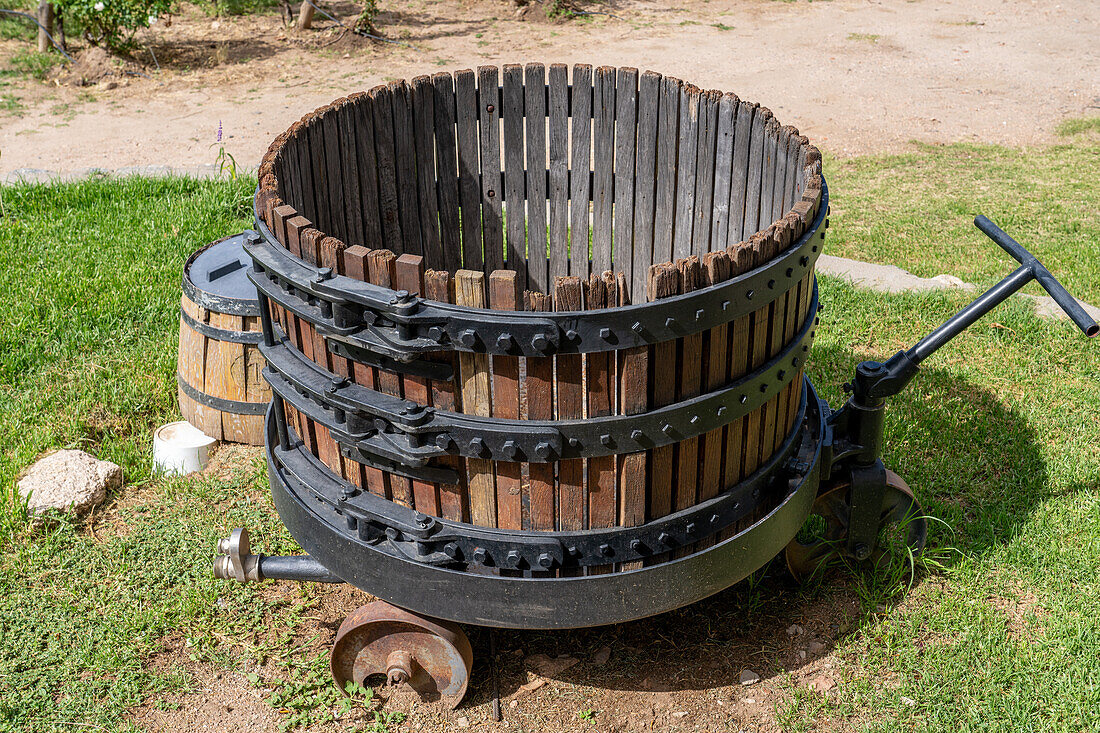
(806, 555)
(431, 656)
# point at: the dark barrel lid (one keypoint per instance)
(216, 278)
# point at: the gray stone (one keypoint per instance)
(69, 480)
(885, 278)
(748, 677)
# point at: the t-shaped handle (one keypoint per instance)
(1064, 300)
(874, 381)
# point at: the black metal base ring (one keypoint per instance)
(548, 602)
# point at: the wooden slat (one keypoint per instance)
(688, 385)
(319, 170)
(579, 166)
(469, 186)
(793, 140)
(367, 170)
(723, 164)
(405, 162)
(535, 113)
(382, 111)
(685, 171)
(649, 88)
(780, 186)
(603, 164)
(539, 384)
(768, 172)
(423, 99)
(515, 210)
(305, 203)
(447, 171)
(626, 121)
(453, 498)
(380, 270)
(740, 341)
(716, 269)
(704, 173)
(345, 120)
(488, 93)
(663, 282)
(742, 145)
(633, 376)
(503, 295)
(665, 204)
(758, 352)
(409, 275)
(256, 387)
(337, 193)
(332, 257)
(355, 266)
(570, 406)
(476, 400)
(558, 113)
(192, 367)
(776, 405)
(599, 376)
(755, 173)
(280, 216)
(225, 376)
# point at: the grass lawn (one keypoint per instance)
(999, 436)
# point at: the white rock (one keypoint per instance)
(463, 722)
(795, 630)
(748, 677)
(69, 480)
(908, 701)
(680, 714)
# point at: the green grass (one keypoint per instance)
(89, 322)
(916, 210)
(30, 64)
(14, 27)
(999, 436)
(1076, 126)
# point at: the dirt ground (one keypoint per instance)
(708, 667)
(856, 76)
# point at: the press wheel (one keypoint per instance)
(431, 656)
(899, 507)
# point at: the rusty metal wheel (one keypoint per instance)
(431, 656)
(823, 538)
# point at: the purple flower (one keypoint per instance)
(219, 132)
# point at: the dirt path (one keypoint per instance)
(856, 76)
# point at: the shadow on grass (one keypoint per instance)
(972, 463)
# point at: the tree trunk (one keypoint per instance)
(45, 30)
(305, 15)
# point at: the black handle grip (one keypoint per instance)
(1061, 296)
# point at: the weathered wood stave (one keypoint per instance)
(750, 188)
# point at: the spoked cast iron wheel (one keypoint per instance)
(431, 656)
(900, 510)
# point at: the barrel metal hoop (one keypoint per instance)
(218, 403)
(403, 326)
(404, 532)
(221, 334)
(211, 301)
(389, 428)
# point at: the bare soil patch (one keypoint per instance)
(857, 77)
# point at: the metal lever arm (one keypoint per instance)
(875, 382)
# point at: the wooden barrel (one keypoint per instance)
(221, 388)
(474, 188)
